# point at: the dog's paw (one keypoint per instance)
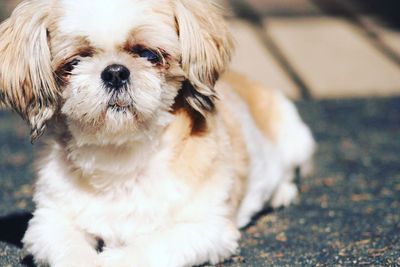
(137, 256)
(77, 261)
(91, 260)
(285, 195)
(115, 257)
(124, 257)
(80, 259)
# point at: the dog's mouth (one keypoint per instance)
(120, 105)
(116, 108)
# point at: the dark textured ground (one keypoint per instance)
(349, 213)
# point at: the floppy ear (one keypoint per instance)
(27, 82)
(206, 49)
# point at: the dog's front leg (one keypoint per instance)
(181, 244)
(54, 241)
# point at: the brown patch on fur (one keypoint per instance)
(195, 155)
(198, 121)
(65, 52)
(198, 159)
(262, 103)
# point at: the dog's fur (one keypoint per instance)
(164, 171)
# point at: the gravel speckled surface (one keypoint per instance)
(348, 214)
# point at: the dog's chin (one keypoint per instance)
(120, 109)
(121, 117)
(120, 104)
(118, 120)
(116, 126)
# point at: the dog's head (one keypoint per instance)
(111, 68)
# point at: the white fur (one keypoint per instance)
(273, 164)
(265, 164)
(106, 25)
(295, 141)
(145, 215)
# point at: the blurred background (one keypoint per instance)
(314, 48)
(340, 61)
(319, 48)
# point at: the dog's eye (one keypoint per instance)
(150, 55)
(69, 67)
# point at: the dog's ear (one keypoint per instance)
(27, 82)
(206, 45)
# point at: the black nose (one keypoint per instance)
(115, 76)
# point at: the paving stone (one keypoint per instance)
(378, 18)
(390, 36)
(284, 7)
(391, 39)
(333, 58)
(254, 60)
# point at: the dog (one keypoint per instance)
(152, 148)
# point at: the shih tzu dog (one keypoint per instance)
(152, 150)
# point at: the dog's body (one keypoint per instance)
(158, 169)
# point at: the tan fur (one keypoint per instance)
(263, 103)
(197, 157)
(206, 45)
(240, 156)
(190, 162)
(26, 78)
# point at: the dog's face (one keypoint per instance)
(118, 65)
(111, 69)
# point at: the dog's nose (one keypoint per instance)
(115, 76)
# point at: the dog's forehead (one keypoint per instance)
(105, 22)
